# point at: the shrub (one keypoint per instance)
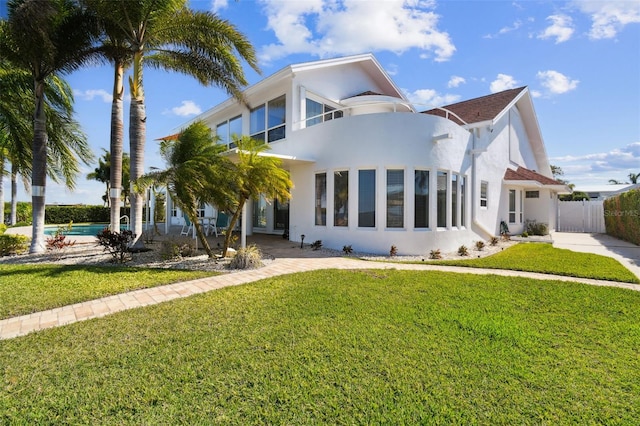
(65, 214)
(393, 251)
(535, 228)
(525, 234)
(13, 244)
(3, 228)
(622, 216)
(249, 257)
(347, 249)
(435, 254)
(480, 245)
(316, 245)
(58, 241)
(463, 250)
(494, 241)
(117, 243)
(173, 249)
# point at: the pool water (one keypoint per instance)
(90, 229)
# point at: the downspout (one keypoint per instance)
(475, 202)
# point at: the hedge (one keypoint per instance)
(23, 212)
(622, 216)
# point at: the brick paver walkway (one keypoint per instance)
(19, 326)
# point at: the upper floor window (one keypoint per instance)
(267, 121)
(484, 186)
(317, 112)
(229, 131)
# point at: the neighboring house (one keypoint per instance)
(371, 172)
(601, 192)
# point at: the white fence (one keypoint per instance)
(581, 216)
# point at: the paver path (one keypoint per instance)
(19, 326)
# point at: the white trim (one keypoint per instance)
(37, 191)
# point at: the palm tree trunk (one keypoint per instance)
(117, 136)
(39, 173)
(137, 135)
(202, 237)
(13, 218)
(232, 224)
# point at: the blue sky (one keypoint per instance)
(580, 59)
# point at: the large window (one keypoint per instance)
(442, 199)
(341, 198)
(321, 199)
(267, 122)
(454, 199)
(317, 112)
(367, 198)
(421, 201)
(229, 131)
(395, 198)
(512, 206)
(463, 191)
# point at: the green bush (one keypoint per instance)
(249, 257)
(537, 228)
(622, 216)
(76, 214)
(23, 212)
(3, 228)
(13, 244)
(175, 249)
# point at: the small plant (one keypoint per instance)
(435, 254)
(480, 245)
(117, 243)
(3, 228)
(316, 245)
(525, 234)
(13, 244)
(463, 250)
(172, 249)
(393, 251)
(494, 241)
(347, 249)
(58, 241)
(249, 257)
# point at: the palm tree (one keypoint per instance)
(633, 177)
(194, 166)
(44, 38)
(166, 34)
(253, 174)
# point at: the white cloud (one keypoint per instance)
(610, 17)
(456, 81)
(504, 30)
(429, 98)
(186, 109)
(89, 95)
(536, 93)
(556, 83)
(502, 82)
(341, 27)
(561, 28)
(217, 5)
(602, 166)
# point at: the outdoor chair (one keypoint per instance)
(187, 226)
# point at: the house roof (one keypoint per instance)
(484, 108)
(523, 175)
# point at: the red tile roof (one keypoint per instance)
(526, 174)
(479, 109)
(173, 137)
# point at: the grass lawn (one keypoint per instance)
(341, 347)
(31, 288)
(544, 258)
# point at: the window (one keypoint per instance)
(532, 194)
(281, 214)
(395, 198)
(317, 112)
(229, 131)
(341, 198)
(421, 200)
(442, 199)
(260, 213)
(463, 190)
(321, 199)
(512, 206)
(454, 199)
(200, 210)
(174, 211)
(483, 193)
(267, 122)
(367, 198)
(521, 207)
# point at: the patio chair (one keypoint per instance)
(222, 221)
(187, 226)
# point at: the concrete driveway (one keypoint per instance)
(626, 253)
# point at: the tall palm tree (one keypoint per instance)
(194, 168)
(633, 177)
(254, 174)
(45, 38)
(166, 34)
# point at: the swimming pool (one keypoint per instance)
(88, 229)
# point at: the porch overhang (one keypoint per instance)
(287, 160)
(526, 184)
(525, 178)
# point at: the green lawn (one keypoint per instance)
(31, 288)
(544, 258)
(341, 347)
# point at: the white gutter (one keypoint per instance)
(476, 196)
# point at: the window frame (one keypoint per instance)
(370, 203)
(427, 195)
(484, 195)
(395, 202)
(318, 209)
(341, 222)
(263, 127)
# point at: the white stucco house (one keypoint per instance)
(372, 171)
